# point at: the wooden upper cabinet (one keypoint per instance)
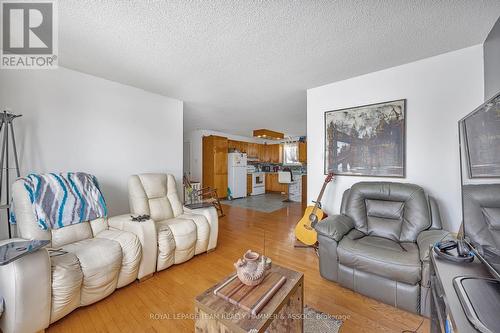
(265, 154)
(269, 153)
(243, 147)
(261, 152)
(302, 152)
(275, 153)
(253, 150)
(231, 144)
(240, 146)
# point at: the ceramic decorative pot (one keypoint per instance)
(251, 268)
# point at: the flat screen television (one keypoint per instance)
(479, 135)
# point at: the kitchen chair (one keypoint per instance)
(285, 177)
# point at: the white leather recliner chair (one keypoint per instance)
(181, 232)
(93, 261)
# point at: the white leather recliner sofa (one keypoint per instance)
(91, 261)
(181, 232)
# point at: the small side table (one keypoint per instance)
(13, 249)
(446, 309)
(283, 313)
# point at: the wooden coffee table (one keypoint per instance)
(283, 313)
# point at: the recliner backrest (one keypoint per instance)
(154, 194)
(27, 226)
(397, 211)
(482, 213)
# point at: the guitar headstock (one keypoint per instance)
(329, 177)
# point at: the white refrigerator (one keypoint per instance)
(237, 175)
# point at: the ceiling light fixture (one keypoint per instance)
(268, 134)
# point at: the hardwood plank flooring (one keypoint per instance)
(165, 302)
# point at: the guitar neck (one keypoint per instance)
(320, 196)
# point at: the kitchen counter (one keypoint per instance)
(297, 188)
(273, 172)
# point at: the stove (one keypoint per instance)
(258, 183)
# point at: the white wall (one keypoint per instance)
(77, 122)
(439, 91)
(492, 62)
(195, 138)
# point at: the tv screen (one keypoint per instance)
(482, 140)
(480, 135)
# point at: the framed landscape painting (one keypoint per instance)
(367, 140)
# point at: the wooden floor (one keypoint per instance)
(164, 303)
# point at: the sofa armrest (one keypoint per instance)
(25, 286)
(426, 239)
(330, 232)
(146, 232)
(335, 226)
(213, 220)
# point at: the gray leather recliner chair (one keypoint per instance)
(379, 244)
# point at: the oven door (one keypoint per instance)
(259, 180)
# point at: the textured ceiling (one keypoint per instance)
(240, 65)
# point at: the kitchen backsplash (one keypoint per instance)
(274, 167)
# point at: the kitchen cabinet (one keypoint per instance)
(240, 146)
(231, 144)
(261, 152)
(302, 152)
(274, 153)
(269, 153)
(215, 163)
(249, 184)
(253, 150)
(272, 184)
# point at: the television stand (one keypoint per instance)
(447, 313)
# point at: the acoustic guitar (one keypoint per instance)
(304, 231)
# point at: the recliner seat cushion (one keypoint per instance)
(184, 235)
(100, 260)
(131, 254)
(202, 231)
(166, 247)
(67, 280)
(381, 256)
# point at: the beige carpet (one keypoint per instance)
(319, 322)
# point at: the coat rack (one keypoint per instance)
(6, 119)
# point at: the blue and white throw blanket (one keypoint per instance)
(64, 199)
